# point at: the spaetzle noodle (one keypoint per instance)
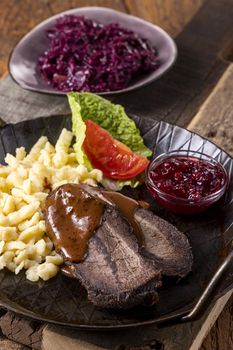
(25, 183)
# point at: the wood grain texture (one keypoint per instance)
(178, 95)
(6, 344)
(22, 330)
(210, 321)
(218, 114)
(175, 97)
(221, 335)
(59, 6)
(171, 15)
(27, 104)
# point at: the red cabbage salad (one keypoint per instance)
(84, 55)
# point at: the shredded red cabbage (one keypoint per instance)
(87, 56)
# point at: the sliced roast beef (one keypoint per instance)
(166, 246)
(117, 268)
(163, 243)
(111, 269)
(114, 273)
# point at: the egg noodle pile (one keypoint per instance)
(25, 183)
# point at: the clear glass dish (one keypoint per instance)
(178, 204)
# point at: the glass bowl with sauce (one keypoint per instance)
(186, 182)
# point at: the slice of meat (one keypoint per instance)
(115, 269)
(163, 243)
(167, 247)
(110, 265)
(114, 273)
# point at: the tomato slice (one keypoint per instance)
(115, 159)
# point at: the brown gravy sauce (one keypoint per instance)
(127, 207)
(71, 217)
(73, 213)
(124, 204)
(69, 271)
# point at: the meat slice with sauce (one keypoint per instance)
(109, 244)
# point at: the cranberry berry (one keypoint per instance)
(186, 184)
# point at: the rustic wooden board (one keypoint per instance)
(218, 112)
(176, 97)
(221, 335)
(7, 344)
(170, 15)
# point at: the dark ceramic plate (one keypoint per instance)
(63, 300)
(23, 61)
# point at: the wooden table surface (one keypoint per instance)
(19, 16)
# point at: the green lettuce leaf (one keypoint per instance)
(79, 130)
(112, 117)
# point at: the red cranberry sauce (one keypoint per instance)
(188, 177)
